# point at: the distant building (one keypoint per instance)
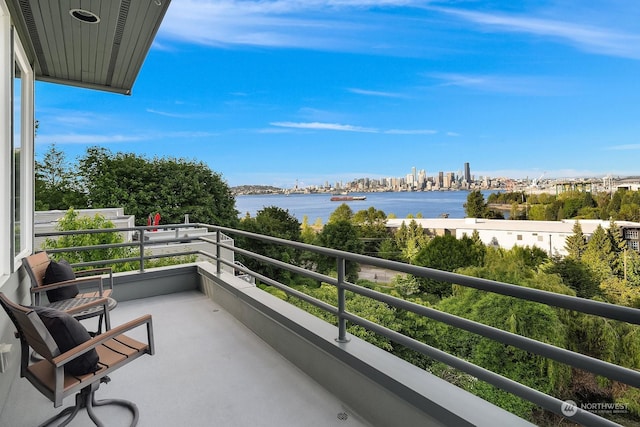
(550, 236)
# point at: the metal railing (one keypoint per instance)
(221, 240)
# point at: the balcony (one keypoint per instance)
(228, 353)
(208, 370)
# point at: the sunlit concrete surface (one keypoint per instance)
(208, 370)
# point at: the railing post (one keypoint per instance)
(218, 263)
(141, 242)
(342, 322)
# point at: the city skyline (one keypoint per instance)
(279, 92)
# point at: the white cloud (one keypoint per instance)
(516, 85)
(324, 126)
(339, 25)
(587, 37)
(73, 138)
(376, 93)
(93, 139)
(351, 128)
(411, 131)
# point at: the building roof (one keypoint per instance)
(565, 226)
(98, 44)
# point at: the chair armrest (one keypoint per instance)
(104, 301)
(96, 271)
(93, 271)
(94, 342)
(57, 285)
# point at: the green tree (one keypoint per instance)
(276, 222)
(475, 207)
(170, 187)
(341, 213)
(447, 253)
(576, 244)
(619, 247)
(629, 212)
(410, 239)
(599, 255)
(73, 221)
(514, 315)
(576, 275)
(55, 183)
(340, 235)
(616, 202)
(372, 229)
(307, 233)
(389, 250)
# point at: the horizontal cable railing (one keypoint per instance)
(219, 238)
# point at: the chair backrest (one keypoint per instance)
(36, 266)
(31, 331)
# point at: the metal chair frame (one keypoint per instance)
(115, 349)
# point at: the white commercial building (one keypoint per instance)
(549, 236)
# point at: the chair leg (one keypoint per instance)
(127, 404)
(71, 411)
(86, 399)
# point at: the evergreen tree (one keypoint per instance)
(410, 240)
(576, 244)
(599, 254)
(56, 186)
(619, 246)
(475, 206)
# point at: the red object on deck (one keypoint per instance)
(156, 221)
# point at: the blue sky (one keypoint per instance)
(270, 92)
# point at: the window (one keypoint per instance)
(519, 237)
(18, 238)
(631, 234)
(18, 124)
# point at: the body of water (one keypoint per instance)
(431, 204)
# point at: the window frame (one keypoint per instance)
(13, 54)
(26, 147)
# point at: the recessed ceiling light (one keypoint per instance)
(84, 16)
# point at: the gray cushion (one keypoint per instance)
(59, 272)
(68, 333)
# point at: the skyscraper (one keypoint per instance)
(467, 173)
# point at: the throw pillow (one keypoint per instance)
(59, 272)
(68, 333)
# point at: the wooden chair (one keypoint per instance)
(50, 376)
(36, 267)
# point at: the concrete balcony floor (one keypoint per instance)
(208, 370)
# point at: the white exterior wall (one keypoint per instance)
(550, 236)
(548, 242)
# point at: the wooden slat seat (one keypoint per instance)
(114, 348)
